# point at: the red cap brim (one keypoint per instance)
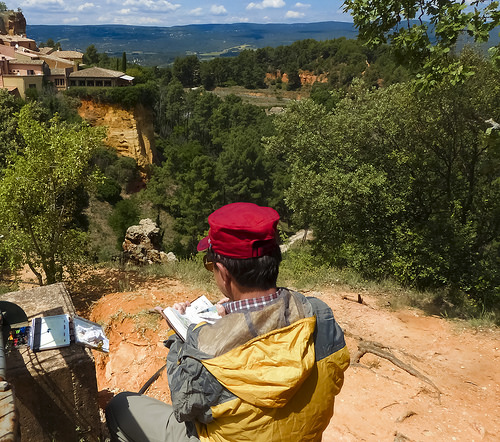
(203, 245)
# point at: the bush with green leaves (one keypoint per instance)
(109, 190)
(43, 191)
(126, 213)
(400, 183)
(128, 96)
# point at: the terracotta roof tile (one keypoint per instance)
(96, 72)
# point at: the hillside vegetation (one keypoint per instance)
(397, 173)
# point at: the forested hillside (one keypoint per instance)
(395, 168)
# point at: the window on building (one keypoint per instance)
(72, 82)
(60, 82)
(98, 83)
(81, 83)
(32, 86)
(31, 72)
(90, 82)
(107, 83)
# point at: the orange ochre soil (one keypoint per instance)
(379, 400)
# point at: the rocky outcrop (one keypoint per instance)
(301, 236)
(142, 244)
(12, 23)
(306, 77)
(130, 132)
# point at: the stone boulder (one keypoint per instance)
(301, 236)
(142, 244)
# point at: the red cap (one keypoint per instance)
(242, 230)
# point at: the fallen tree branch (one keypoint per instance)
(405, 416)
(358, 300)
(378, 350)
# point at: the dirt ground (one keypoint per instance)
(456, 397)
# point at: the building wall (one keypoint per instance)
(25, 68)
(60, 82)
(23, 82)
(93, 82)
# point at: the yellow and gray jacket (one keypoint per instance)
(266, 375)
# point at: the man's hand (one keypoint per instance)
(220, 308)
(181, 306)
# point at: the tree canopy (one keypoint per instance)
(424, 33)
(401, 184)
(42, 194)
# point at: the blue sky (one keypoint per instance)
(177, 12)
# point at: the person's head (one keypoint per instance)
(243, 238)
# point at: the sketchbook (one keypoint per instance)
(200, 310)
(49, 332)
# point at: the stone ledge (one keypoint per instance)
(55, 391)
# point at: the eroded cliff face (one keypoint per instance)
(306, 77)
(12, 23)
(130, 132)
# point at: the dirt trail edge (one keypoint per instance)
(455, 398)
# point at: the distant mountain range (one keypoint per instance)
(158, 46)
(148, 45)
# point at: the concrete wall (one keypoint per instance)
(55, 390)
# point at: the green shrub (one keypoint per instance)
(109, 190)
(124, 214)
(128, 96)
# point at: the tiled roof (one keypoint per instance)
(96, 72)
(56, 58)
(46, 50)
(28, 62)
(15, 38)
(68, 54)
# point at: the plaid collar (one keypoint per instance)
(252, 303)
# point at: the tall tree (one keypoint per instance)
(9, 140)
(187, 70)
(124, 62)
(91, 55)
(42, 195)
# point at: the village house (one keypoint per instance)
(23, 66)
(99, 77)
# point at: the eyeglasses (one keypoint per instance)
(208, 263)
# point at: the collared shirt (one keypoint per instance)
(252, 303)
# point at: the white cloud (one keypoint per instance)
(153, 5)
(41, 3)
(218, 10)
(294, 14)
(124, 11)
(70, 20)
(147, 21)
(241, 19)
(302, 5)
(196, 12)
(266, 4)
(85, 6)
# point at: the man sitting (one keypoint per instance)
(268, 370)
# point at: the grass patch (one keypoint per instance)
(143, 320)
(190, 271)
(8, 287)
(302, 271)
